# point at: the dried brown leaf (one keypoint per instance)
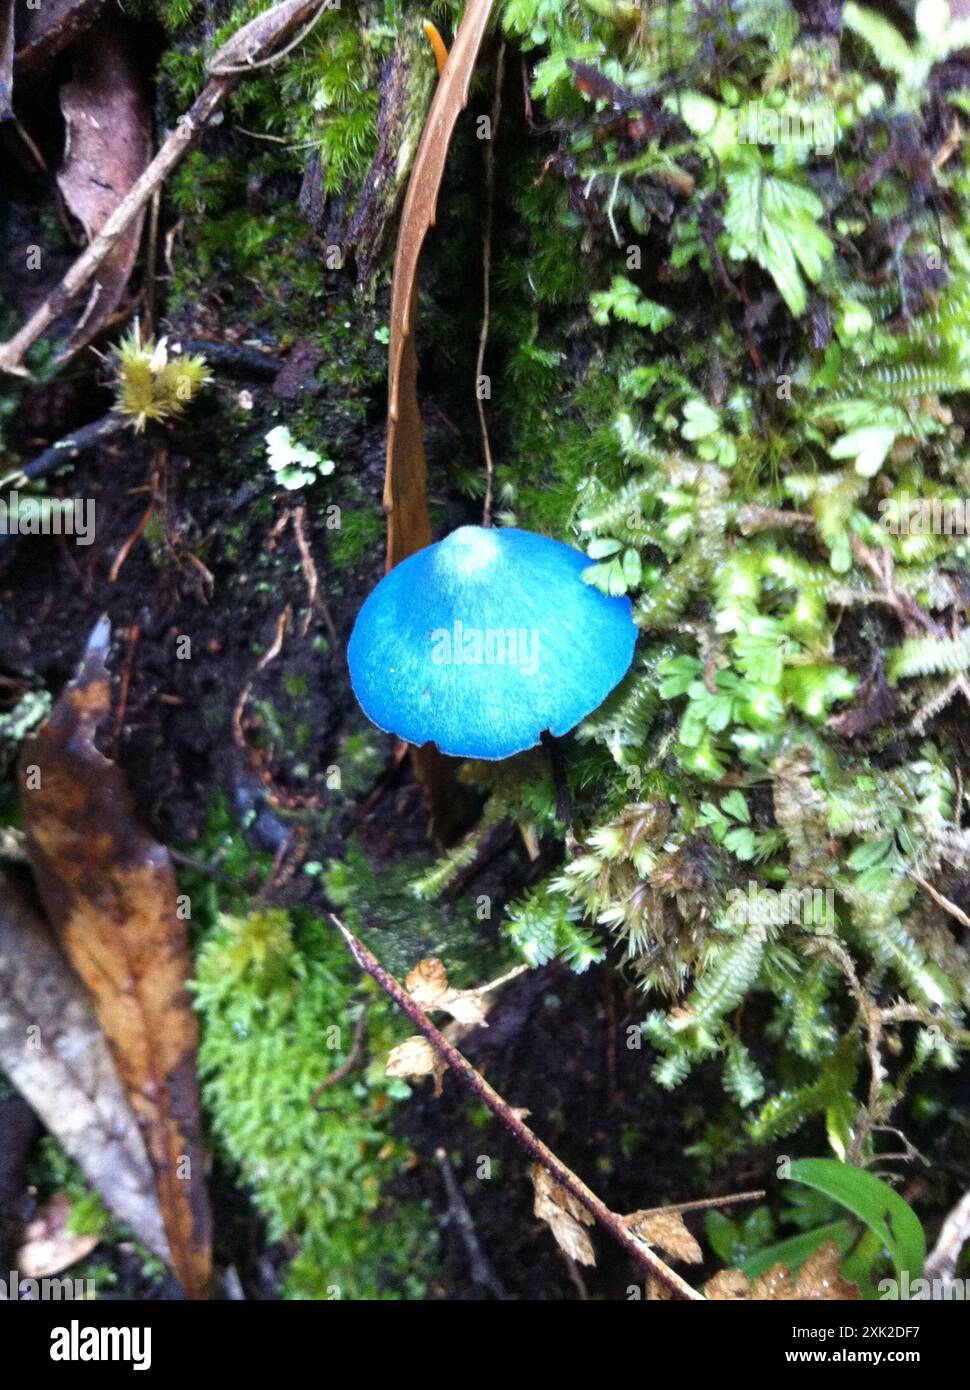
(108, 144)
(110, 892)
(728, 1285)
(564, 1216)
(405, 484)
(819, 1278)
(55, 1054)
(775, 1285)
(406, 474)
(428, 986)
(655, 1292)
(48, 1246)
(667, 1230)
(415, 1058)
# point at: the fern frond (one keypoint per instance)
(723, 983)
(929, 656)
(891, 945)
(544, 925)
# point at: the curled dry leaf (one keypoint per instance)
(428, 986)
(48, 1246)
(406, 474)
(564, 1216)
(110, 892)
(415, 1058)
(405, 485)
(667, 1230)
(108, 144)
(55, 1054)
(819, 1278)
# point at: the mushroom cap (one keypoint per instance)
(484, 641)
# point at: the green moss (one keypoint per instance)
(279, 998)
(360, 533)
(645, 416)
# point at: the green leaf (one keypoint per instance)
(294, 464)
(870, 853)
(632, 568)
(599, 549)
(890, 49)
(874, 1202)
(794, 1251)
(775, 222)
(699, 419)
(868, 447)
(625, 302)
(736, 805)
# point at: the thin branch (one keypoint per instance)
(487, 279)
(66, 450)
(461, 1218)
(314, 598)
(912, 617)
(251, 44)
(500, 1108)
(946, 903)
(271, 653)
(341, 1072)
(730, 1199)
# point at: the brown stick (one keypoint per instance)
(517, 1127)
(941, 901)
(487, 281)
(730, 1199)
(246, 48)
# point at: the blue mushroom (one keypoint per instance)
(486, 641)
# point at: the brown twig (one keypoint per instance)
(271, 653)
(730, 1199)
(461, 1218)
(912, 617)
(66, 450)
(125, 550)
(314, 597)
(500, 1108)
(350, 1061)
(239, 56)
(751, 519)
(133, 636)
(946, 904)
(487, 279)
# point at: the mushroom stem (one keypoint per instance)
(564, 802)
